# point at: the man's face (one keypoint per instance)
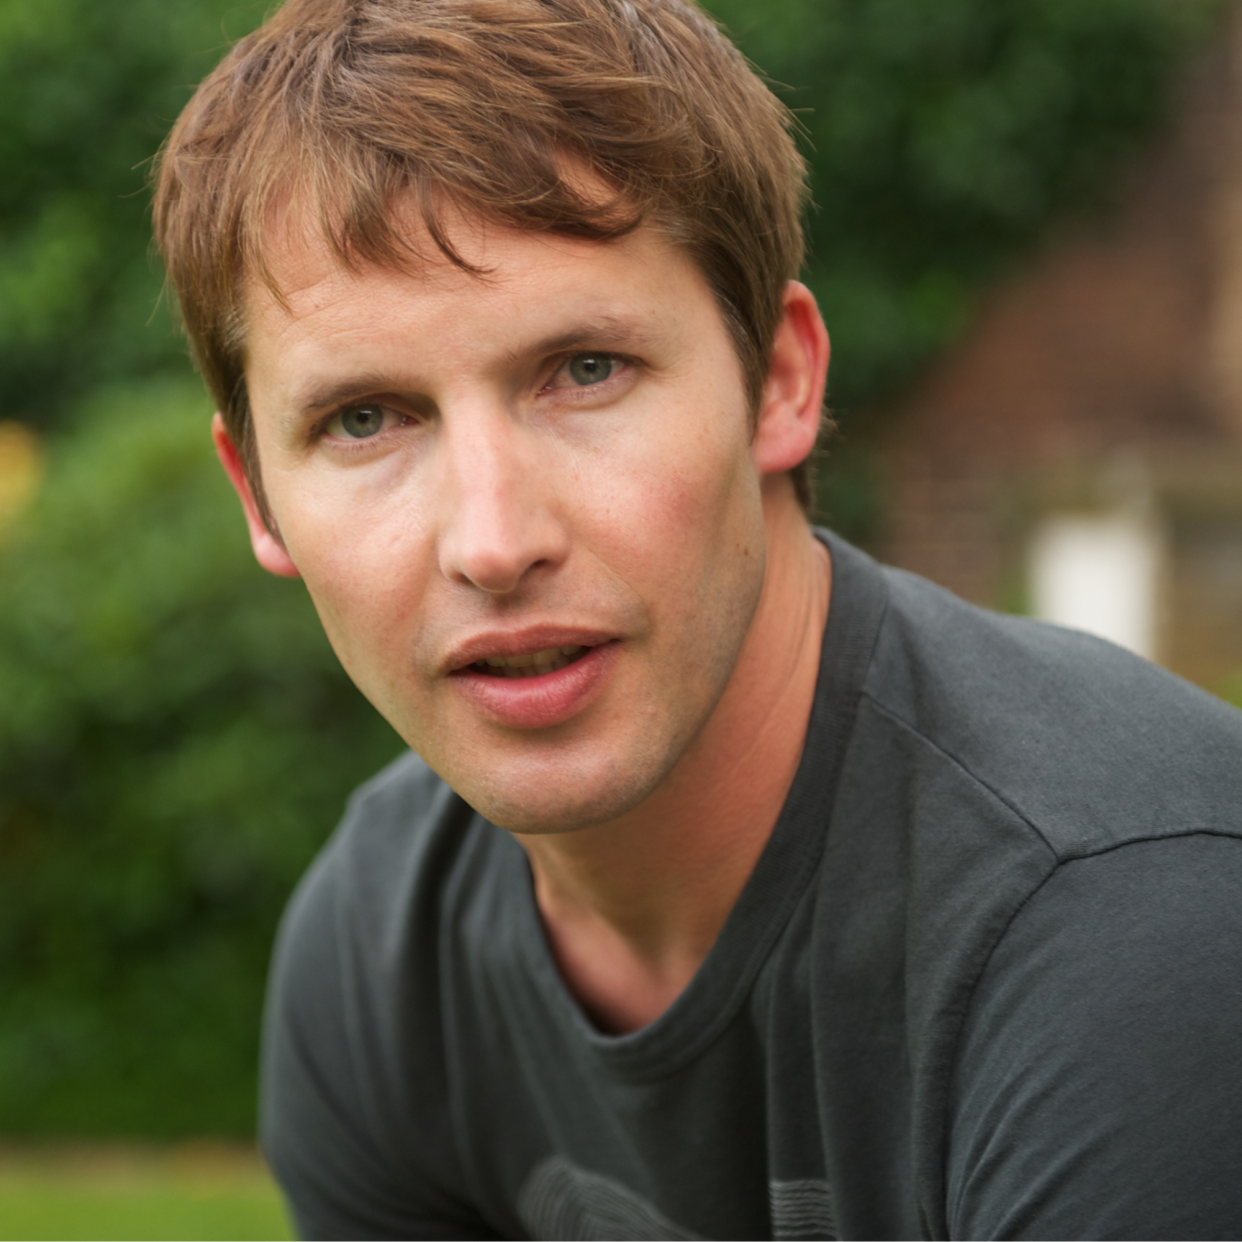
(525, 504)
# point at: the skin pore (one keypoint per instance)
(555, 461)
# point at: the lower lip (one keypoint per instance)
(542, 701)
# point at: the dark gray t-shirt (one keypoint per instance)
(985, 981)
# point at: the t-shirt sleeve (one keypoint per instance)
(320, 1127)
(1098, 1088)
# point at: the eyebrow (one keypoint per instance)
(601, 332)
(628, 332)
(310, 401)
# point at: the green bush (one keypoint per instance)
(944, 135)
(175, 735)
(87, 93)
(176, 738)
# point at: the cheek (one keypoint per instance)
(666, 501)
(363, 565)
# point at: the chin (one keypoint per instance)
(539, 806)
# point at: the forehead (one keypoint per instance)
(511, 276)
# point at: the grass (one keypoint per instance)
(208, 1191)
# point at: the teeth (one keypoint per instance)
(532, 664)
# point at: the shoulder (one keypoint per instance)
(1031, 814)
(368, 907)
(397, 836)
(1089, 744)
(1098, 1085)
(353, 1113)
(399, 812)
(1073, 821)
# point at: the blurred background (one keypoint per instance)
(1027, 242)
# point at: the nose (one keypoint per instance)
(498, 494)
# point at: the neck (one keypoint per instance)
(632, 907)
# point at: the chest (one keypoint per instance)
(705, 1124)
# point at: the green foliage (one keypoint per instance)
(175, 735)
(176, 738)
(87, 92)
(943, 136)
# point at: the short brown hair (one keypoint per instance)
(484, 106)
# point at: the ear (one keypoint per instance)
(793, 395)
(268, 550)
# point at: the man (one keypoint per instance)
(735, 887)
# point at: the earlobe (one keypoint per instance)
(268, 550)
(793, 396)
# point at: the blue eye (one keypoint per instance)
(591, 368)
(361, 421)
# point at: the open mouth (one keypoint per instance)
(532, 664)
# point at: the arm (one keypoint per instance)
(350, 1159)
(1098, 1089)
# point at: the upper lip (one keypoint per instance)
(525, 641)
